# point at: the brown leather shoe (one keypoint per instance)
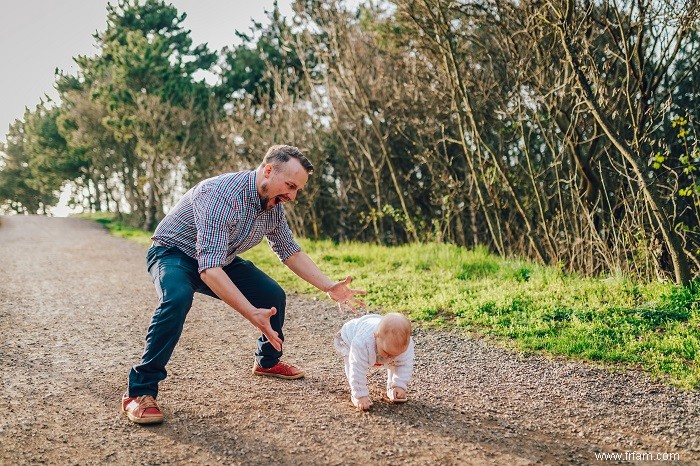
(280, 370)
(142, 409)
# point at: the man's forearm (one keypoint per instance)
(220, 283)
(217, 280)
(302, 265)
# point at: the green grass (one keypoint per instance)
(119, 228)
(611, 321)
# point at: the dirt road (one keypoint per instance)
(74, 307)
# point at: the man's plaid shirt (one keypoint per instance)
(221, 217)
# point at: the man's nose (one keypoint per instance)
(292, 196)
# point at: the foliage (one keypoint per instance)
(35, 163)
(564, 132)
(137, 111)
(247, 70)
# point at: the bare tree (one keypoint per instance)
(645, 36)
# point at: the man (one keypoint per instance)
(195, 249)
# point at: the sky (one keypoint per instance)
(38, 36)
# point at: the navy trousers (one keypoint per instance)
(176, 279)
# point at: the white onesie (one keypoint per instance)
(356, 343)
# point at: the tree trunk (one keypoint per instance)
(681, 268)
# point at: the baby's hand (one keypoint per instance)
(396, 395)
(362, 403)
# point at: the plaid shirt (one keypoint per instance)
(221, 217)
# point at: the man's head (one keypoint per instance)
(393, 335)
(283, 172)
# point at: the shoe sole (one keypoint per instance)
(143, 420)
(279, 376)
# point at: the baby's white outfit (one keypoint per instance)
(355, 342)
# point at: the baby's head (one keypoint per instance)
(393, 335)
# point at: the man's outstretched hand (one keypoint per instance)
(260, 317)
(341, 293)
(220, 283)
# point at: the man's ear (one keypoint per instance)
(267, 170)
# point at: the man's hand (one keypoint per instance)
(220, 283)
(260, 318)
(342, 294)
(304, 267)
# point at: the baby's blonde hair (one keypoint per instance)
(395, 330)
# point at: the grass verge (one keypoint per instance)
(613, 320)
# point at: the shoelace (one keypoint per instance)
(286, 367)
(146, 401)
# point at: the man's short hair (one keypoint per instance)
(281, 153)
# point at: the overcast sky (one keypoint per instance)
(38, 36)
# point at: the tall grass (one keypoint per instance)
(612, 320)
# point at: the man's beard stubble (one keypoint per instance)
(264, 198)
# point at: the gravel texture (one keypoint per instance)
(74, 307)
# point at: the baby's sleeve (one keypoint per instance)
(399, 373)
(358, 360)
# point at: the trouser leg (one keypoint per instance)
(175, 277)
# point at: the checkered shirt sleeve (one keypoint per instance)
(214, 219)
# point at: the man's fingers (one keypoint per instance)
(360, 303)
(357, 302)
(266, 329)
(273, 338)
(343, 294)
(352, 308)
(276, 345)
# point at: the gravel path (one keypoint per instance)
(75, 304)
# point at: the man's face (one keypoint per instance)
(281, 183)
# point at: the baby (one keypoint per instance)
(374, 340)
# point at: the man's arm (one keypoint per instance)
(217, 280)
(302, 265)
